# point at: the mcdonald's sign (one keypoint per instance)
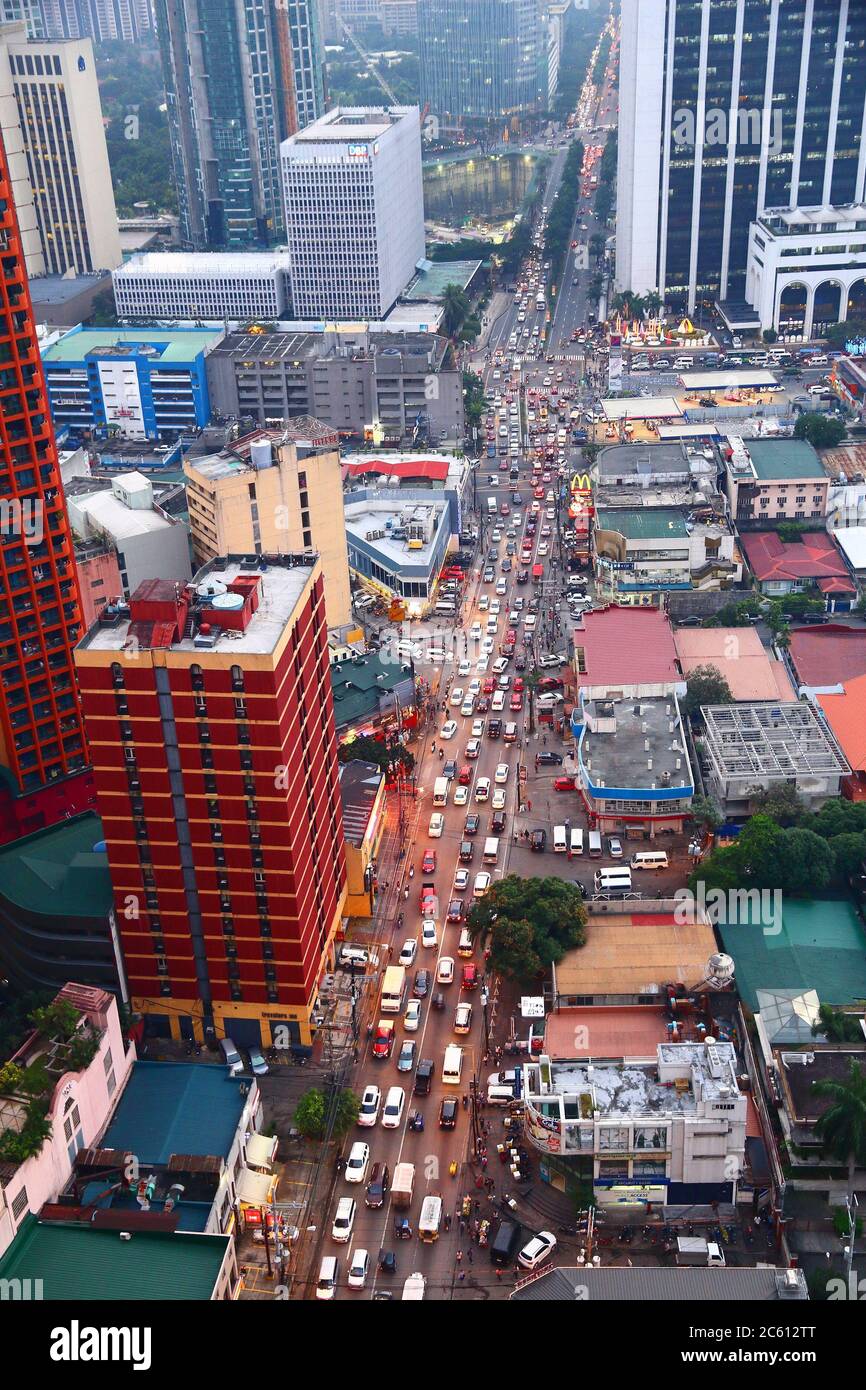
(581, 482)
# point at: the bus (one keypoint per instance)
(393, 988)
(540, 301)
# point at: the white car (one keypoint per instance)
(502, 586)
(344, 1220)
(498, 802)
(461, 880)
(482, 789)
(542, 549)
(477, 728)
(464, 668)
(550, 513)
(408, 951)
(411, 1019)
(500, 776)
(461, 796)
(429, 934)
(475, 632)
(436, 826)
(483, 604)
(456, 699)
(358, 1269)
(481, 666)
(500, 665)
(497, 535)
(445, 971)
(495, 606)
(467, 709)
(357, 1162)
(487, 646)
(473, 747)
(473, 688)
(482, 885)
(392, 1113)
(536, 1250)
(371, 1099)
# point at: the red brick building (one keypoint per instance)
(211, 725)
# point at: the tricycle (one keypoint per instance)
(466, 1206)
(416, 1121)
(402, 1229)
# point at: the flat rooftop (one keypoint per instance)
(60, 289)
(728, 381)
(301, 430)
(350, 123)
(366, 522)
(207, 265)
(781, 740)
(643, 523)
(174, 345)
(613, 1032)
(627, 954)
(296, 347)
(623, 1089)
(783, 459)
(642, 461)
(828, 656)
(821, 946)
(619, 759)
(430, 282)
(176, 1108)
(642, 408)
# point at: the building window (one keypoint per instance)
(19, 1204)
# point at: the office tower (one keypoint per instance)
(727, 109)
(276, 491)
(354, 211)
(43, 756)
(239, 79)
(211, 722)
(48, 93)
(481, 59)
(100, 20)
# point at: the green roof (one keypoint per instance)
(356, 689)
(643, 523)
(784, 458)
(84, 1264)
(56, 870)
(430, 282)
(181, 345)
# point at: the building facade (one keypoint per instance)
(397, 547)
(42, 743)
(354, 211)
(136, 383)
(203, 285)
(147, 541)
(239, 79)
(725, 110)
(482, 59)
(100, 20)
(58, 111)
(774, 480)
(216, 766)
(275, 492)
(807, 268)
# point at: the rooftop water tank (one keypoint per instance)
(209, 588)
(261, 454)
(227, 602)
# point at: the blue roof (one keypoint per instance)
(176, 1108)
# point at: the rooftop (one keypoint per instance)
(799, 1072)
(623, 1031)
(814, 556)
(358, 686)
(621, 646)
(621, 1088)
(781, 741)
(784, 459)
(60, 289)
(408, 465)
(622, 461)
(359, 786)
(827, 656)
(59, 870)
(741, 657)
(727, 380)
(618, 1284)
(821, 946)
(303, 431)
(174, 345)
(845, 712)
(788, 221)
(332, 342)
(208, 265)
(80, 1263)
(430, 282)
(634, 746)
(346, 124)
(176, 1108)
(404, 534)
(852, 542)
(642, 408)
(643, 523)
(626, 954)
(845, 463)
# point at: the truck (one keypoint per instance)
(695, 1250)
(413, 1289)
(403, 1186)
(393, 989)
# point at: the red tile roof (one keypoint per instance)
(828, 655)
(626, 646)
(814, 556)
(846, 715)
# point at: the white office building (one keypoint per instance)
(236, 285)
(807, 268)
(50, 111)
(354, 211)
(726, 108)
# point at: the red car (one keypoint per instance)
(511, 635)
(464, 776)
(518, 684)
(428, 863)
(516, 701)
(503, 465)
(539, 494)
(489, 685)
(383, 1039)
(470, 977)
(563, 784)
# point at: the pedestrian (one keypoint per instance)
(529, 804)
(459, 1256)
(461, 1276)
(469, 1253)
(477, 1206)
(462, 1225)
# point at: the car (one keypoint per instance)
(392, 1112)
(467, 849)
(387, 1263)
(356, 1163)
(461, 880)
(548, 758)
(463, 1018)
(494, 728)
(445, 971)
(428, 861)
(550, 661)
(488, 576)
(448, 1112)
(502, 586)
(412, 1016)
(383, 1039)
(497, 822)
(483, 603)
(408, 952)
(461, 796)
(429, 934)
(614, 847)
(449, 769)
(538, 841)
(456, 910)
(359, 1268)
(449, 729)
(536, 1250)
(516, 701)
(500, 776)
(500, 665)
(258, 1065)
(438, 1001)
(498, 799)
(482, 789)
(368, 1112)
(477, 732)
(456, 697)
(564, 784)
(406, 1055)
(464, 776)
(482, 885)
(464, 668)
(482, 704)
(421, 985)
(344, 1220)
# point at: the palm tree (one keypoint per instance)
(842, 1127)
(652, 303)
(455, 307)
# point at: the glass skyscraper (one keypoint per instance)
(481, 59)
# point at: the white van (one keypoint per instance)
(492, 508)
(466, 945)
(440, 791)
(500, 1095)
(650, 859)
(575, 841)
(329, 1273)
(594, 844)
(452, 1065)
(560, 839)
(445, 610)
(498, 701)
(613, 880)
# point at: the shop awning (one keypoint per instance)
(254, 1188)
(260, 1150)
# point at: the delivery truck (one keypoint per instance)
(403, 1186)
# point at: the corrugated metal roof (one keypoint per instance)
(669, 1285)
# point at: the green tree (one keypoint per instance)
(705, 685)
(770, 335)
(756, 850)
(319, 1116)
(842, 1126)
(803, 863)
(849, 852)
(821, 430)
(652, 303)
(455, 307)
(838, 334)
(597, 244)
(371, 750)
(779, 801)
(530, 923)
(836, 1026)
(705, 811)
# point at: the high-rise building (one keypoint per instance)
(101, 20)
(482, 59)
(239, 79)
(49, 102)
(725, 110)
(211, 721)
(43, 756)
(276, 491)
(354, 211)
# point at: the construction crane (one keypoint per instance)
(368, 61)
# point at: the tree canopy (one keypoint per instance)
(529, 923)
(316, 1108)
(705, 685)
(822, 431)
